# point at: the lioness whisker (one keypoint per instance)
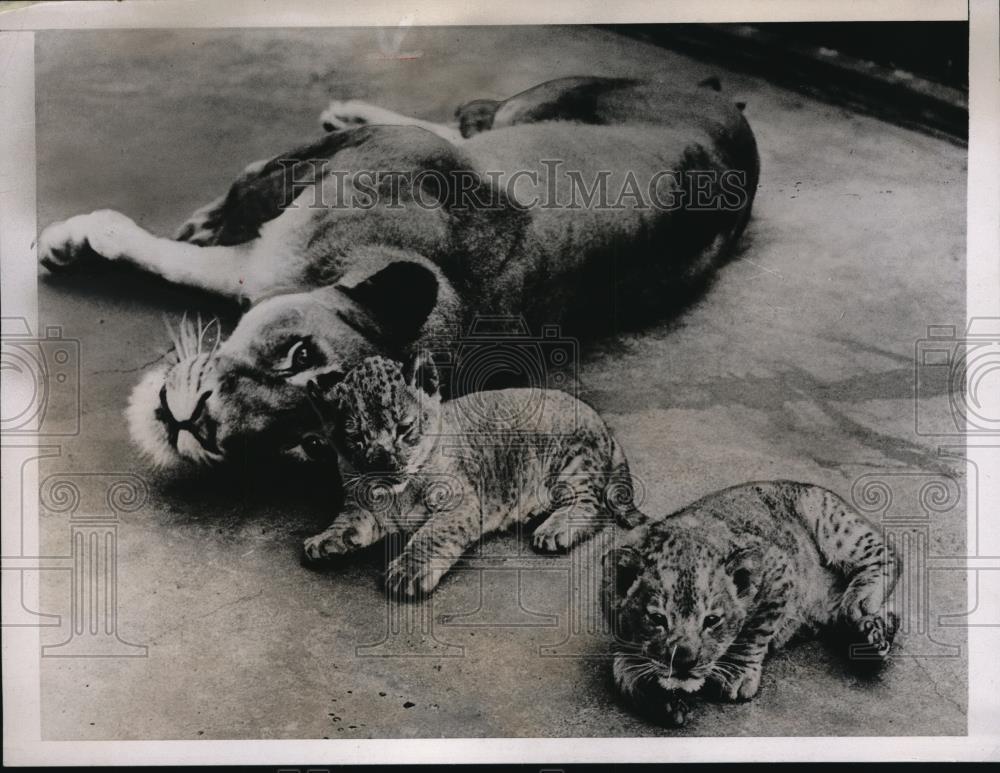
(174, 337)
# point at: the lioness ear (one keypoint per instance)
(422, 373)
(711, 82)
(742, 566)
(396, 301)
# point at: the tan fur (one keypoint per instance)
(703, 594)
(450, 473)
(326, 257)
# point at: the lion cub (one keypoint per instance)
(452, 472)
(702, 594)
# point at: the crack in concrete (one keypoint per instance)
(937, 689)
(136, 369)
(776, 396)
(909, 454)
(239, 600)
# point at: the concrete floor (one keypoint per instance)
(797, 364)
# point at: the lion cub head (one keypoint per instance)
(382, 417)
(676, 603)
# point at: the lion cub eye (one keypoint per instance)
(314, 447)
(658, 620)
(405, 427)
(711, 621)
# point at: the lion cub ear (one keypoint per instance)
(622, 567)
(743, 566)
(323, 401)
(422, 373)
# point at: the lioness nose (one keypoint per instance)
(196, 428)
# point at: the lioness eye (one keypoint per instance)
(711, 621)
(658, 620)
(301, 356)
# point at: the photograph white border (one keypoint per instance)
(18, 280)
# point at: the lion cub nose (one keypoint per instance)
(684, 657)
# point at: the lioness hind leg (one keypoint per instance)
(203, 224)
(351, 113)
(206, 223)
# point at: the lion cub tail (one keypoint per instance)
(623, 492)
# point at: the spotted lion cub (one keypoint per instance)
(452, 472)
(703, 594)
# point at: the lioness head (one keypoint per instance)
(246, 395)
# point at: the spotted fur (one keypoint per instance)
(702, 595)
(453, 472)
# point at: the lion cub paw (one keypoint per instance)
(553, 535)
(330, 544)
(408, 577)
(744, 687)
(675, 712)
(878, 632)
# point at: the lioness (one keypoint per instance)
(572, 201)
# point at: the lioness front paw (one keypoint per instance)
(408, 577)
(101, 234)
(64, 245)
